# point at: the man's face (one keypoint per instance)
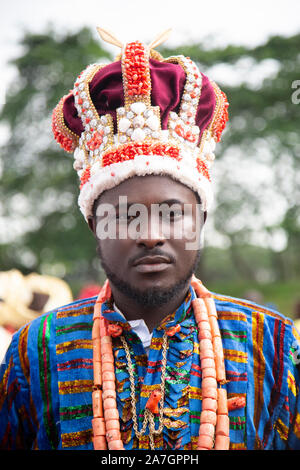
(159, 253)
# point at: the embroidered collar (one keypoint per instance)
(114, 315)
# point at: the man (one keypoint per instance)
(156, 361)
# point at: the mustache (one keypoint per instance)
(152, 252)
(146, 252)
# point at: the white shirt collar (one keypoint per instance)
(140, 328)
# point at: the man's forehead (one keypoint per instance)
(156, 188)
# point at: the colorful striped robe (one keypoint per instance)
(47, 377)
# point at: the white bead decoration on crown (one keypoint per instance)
(138, 107)
(79, 159)
(98, 131)
(207, 148)
(181, 125)
(138, 122)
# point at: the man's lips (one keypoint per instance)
(152, 260)
(150, 264)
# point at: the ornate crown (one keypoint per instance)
(141, 115)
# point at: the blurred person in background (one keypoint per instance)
(25, 297)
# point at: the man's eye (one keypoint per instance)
(176, 214)
(173, 215)
(124, 217)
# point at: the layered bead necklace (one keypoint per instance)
(214, 420)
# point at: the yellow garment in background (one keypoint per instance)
(17, 292)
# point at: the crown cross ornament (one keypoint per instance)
(152, 131)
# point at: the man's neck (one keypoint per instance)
(152, 316)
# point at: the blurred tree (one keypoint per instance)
(256, 178)
(42, 228)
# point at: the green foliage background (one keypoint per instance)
(42, 229)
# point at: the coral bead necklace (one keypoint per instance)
(214, 421)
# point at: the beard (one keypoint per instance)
(151, 297)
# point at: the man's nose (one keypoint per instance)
(151, 233)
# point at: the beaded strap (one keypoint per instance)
(182, 125)
(106, 424)
(220, 116)
(214, 421)
(67, 139)
(137, 120)
(136, 73)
